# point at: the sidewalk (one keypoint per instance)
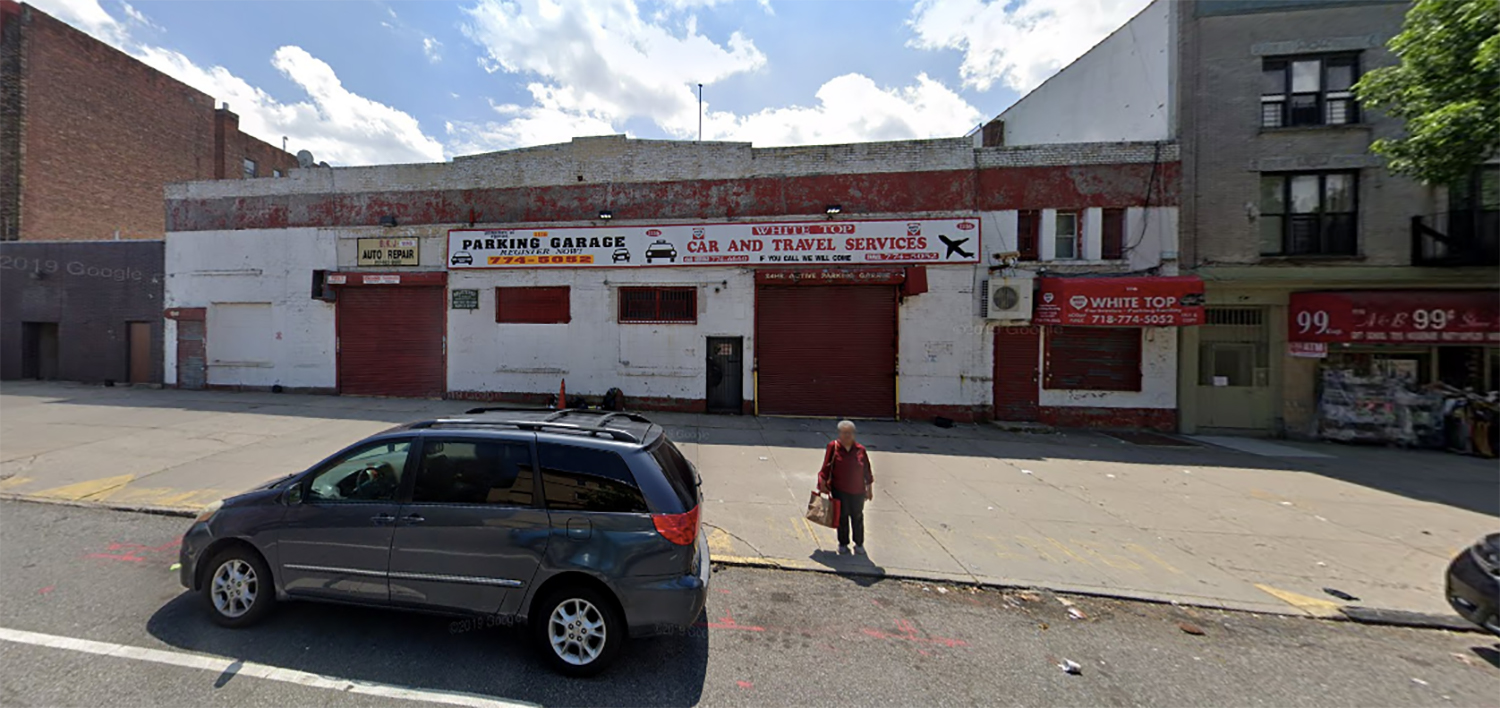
(1265, 530)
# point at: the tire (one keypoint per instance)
(600, 625)
(238, 588)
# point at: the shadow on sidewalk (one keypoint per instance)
(1431, 476)
(858, 569)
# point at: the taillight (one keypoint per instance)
(681, 529)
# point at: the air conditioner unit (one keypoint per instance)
(1009, 299)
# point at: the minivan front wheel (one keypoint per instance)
(238, 588)
(578, 631)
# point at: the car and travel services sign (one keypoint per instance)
(924, 241)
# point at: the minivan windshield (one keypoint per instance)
(678, 472)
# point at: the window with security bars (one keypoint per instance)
(1298, 91)
(1309, 214)
(658, 305)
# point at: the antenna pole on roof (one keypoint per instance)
(700, 113)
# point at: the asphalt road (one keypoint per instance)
(771, 637)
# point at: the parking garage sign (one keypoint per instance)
(924, 241)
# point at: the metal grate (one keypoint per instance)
(658, 305)
(1238, 316)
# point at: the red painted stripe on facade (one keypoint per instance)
(1055, 187)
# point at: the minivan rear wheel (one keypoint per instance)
(238, 588)
(577, 629)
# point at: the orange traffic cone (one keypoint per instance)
(562, 396)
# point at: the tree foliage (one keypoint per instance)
(1446, 88)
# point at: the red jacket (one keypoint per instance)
(847, 470)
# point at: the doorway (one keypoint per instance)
(138, 334)
(1017, 353)
(39, 350)
(726, 375)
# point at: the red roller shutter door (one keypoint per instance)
(826, 350)
(391, 341)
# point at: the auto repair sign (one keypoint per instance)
(925, 241)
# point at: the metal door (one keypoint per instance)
(391, 341)
(1234, 386)
(826, 350)
(139, 337)
(726, 374)
(1017, 353)
(192, 361)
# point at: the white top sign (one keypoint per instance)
(922, 241)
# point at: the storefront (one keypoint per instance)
(1399, 366)
(1101, 352)
(391, 329)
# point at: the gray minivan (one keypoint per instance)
(584, 525)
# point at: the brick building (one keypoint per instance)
(89, 138)
(1319, 264)
(870, 280)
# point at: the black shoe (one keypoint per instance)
(843, 550)
(859, 550)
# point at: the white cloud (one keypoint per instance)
(430, 47)
(602, 64)
(604, 60)
(137, 16)
(336, 124)
(852, 108)
(1017, 42)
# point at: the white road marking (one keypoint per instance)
(219, 664)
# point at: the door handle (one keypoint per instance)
(383, 518)
(413, 518)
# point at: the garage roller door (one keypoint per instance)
(391, 341)
(827, 350)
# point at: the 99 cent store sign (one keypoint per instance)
(926, 241)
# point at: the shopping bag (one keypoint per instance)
(823, 509)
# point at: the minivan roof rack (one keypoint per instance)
(532, 425)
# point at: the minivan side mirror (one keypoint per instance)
(292, 496)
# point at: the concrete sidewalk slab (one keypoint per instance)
(1071, 511)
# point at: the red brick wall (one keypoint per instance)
(1159, 419)
(235, 146)
(101, 134)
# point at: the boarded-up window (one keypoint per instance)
(240, 333)
(658, 305)
(1093, 359)
(547, 305)
(1028, 231)
(1112, 233)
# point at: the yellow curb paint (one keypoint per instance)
(1148, 554)
(1311, 605)
(13, 482)
(719, 542)
(83, 490)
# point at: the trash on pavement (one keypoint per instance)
(175, 566)
(1418, 681)
(942, 591)
(1075, 613)
(1192, 629)
(1110, 476)
(1071, 667)
(763, 458)
(1340, 594)
(1026, 472)
(1286, 503)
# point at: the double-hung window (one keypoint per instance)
(1298, 91)
(1305, 214)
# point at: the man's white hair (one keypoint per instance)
(846, 424)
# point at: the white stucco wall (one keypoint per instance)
(1150, 237)
(1158, 378)
(1119, 90)
(205, 268)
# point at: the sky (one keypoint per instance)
(361, 82)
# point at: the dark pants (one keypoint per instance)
(851, 514)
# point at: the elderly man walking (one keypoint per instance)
(847, 474)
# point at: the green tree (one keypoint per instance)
(1446, 88)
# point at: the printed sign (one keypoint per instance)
(1307, 350)
(1426, 316)
(381, 280)
(930, 241)
(815, 276)
(1165, 301)
(465, 299)
(389, 252)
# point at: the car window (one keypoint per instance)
(474, 472)
(587, 479)
(370, 473)
(678, 472)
